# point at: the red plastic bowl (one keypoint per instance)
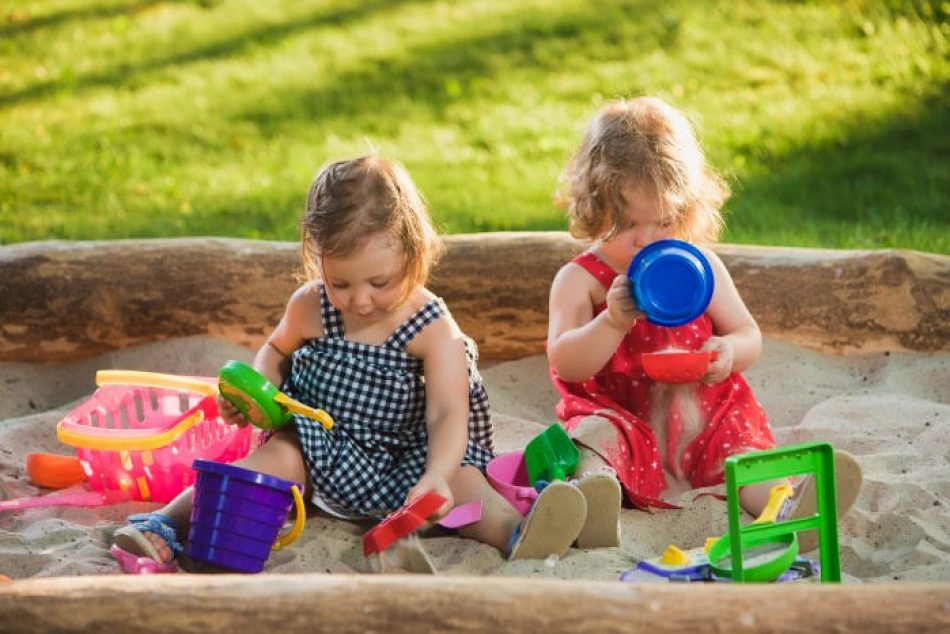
(677, 366)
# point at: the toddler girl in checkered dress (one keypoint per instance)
(365, 340)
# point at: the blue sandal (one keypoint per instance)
(131, 537)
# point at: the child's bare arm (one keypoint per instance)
(442, 350)
(579, 344)
(273, 358)
(300, 321)
(736, 336)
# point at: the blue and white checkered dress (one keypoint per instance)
(376, 451)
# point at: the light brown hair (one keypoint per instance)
(353, 200)
(647, 144)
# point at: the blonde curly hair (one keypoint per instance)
(647, 144)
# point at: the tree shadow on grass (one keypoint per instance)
(435, 75)
(122, 74)
(884, 180)
(22, 27)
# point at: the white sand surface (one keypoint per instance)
(892, 411)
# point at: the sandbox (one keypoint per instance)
(857, 353)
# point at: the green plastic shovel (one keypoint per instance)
(551, 455)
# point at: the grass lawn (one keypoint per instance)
(133, 118)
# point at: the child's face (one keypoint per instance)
(645, 224)
(368, 283)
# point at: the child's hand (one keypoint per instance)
(432, 482)
(721, 368)
(229, 413)
(621, 309)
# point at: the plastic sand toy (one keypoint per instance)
(139, 433)
(136, 565)
(508, 474)
(551, 455)
(260, 401)
(237, 515)
(65, 498)
(672, 282)
(676, 366)
(401, 523)
(816, 459)
(54, 471)
(766, 549)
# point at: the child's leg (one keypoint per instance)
(550, 528)
(598, 483)
(499, 519)
(754, 497)
(280, 456)
(848, 480)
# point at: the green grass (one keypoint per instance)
(128, 118)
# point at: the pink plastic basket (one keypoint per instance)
(141, 440)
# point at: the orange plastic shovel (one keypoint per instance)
(54, 471)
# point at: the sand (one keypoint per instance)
(888, 409)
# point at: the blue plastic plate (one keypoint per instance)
(672, 282)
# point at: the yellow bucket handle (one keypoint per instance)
(175, 382)
(106, 439)
(294, 533)
(155, 379)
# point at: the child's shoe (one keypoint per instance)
(848, 479)
(131, 537)
(602, 493)
(552, 525)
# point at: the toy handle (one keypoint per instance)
(292, 535)
(297, 407)
(156, 379)
(78, 498)
(777, 496)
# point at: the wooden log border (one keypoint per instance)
(396, 604)
(62, 301)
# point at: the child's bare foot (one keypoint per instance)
(150, 534)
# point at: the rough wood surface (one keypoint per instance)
(72, 300)
(395, 604)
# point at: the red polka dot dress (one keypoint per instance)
(726, 416)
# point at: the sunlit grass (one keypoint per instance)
(142, 118)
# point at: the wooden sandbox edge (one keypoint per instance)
(64, 301)
(395, 604)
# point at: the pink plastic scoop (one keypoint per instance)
(462, 515)
(74, 498)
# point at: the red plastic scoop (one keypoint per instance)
(401, 522)
(677, 366)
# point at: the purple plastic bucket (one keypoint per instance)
(236, 515)
(508, 474)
